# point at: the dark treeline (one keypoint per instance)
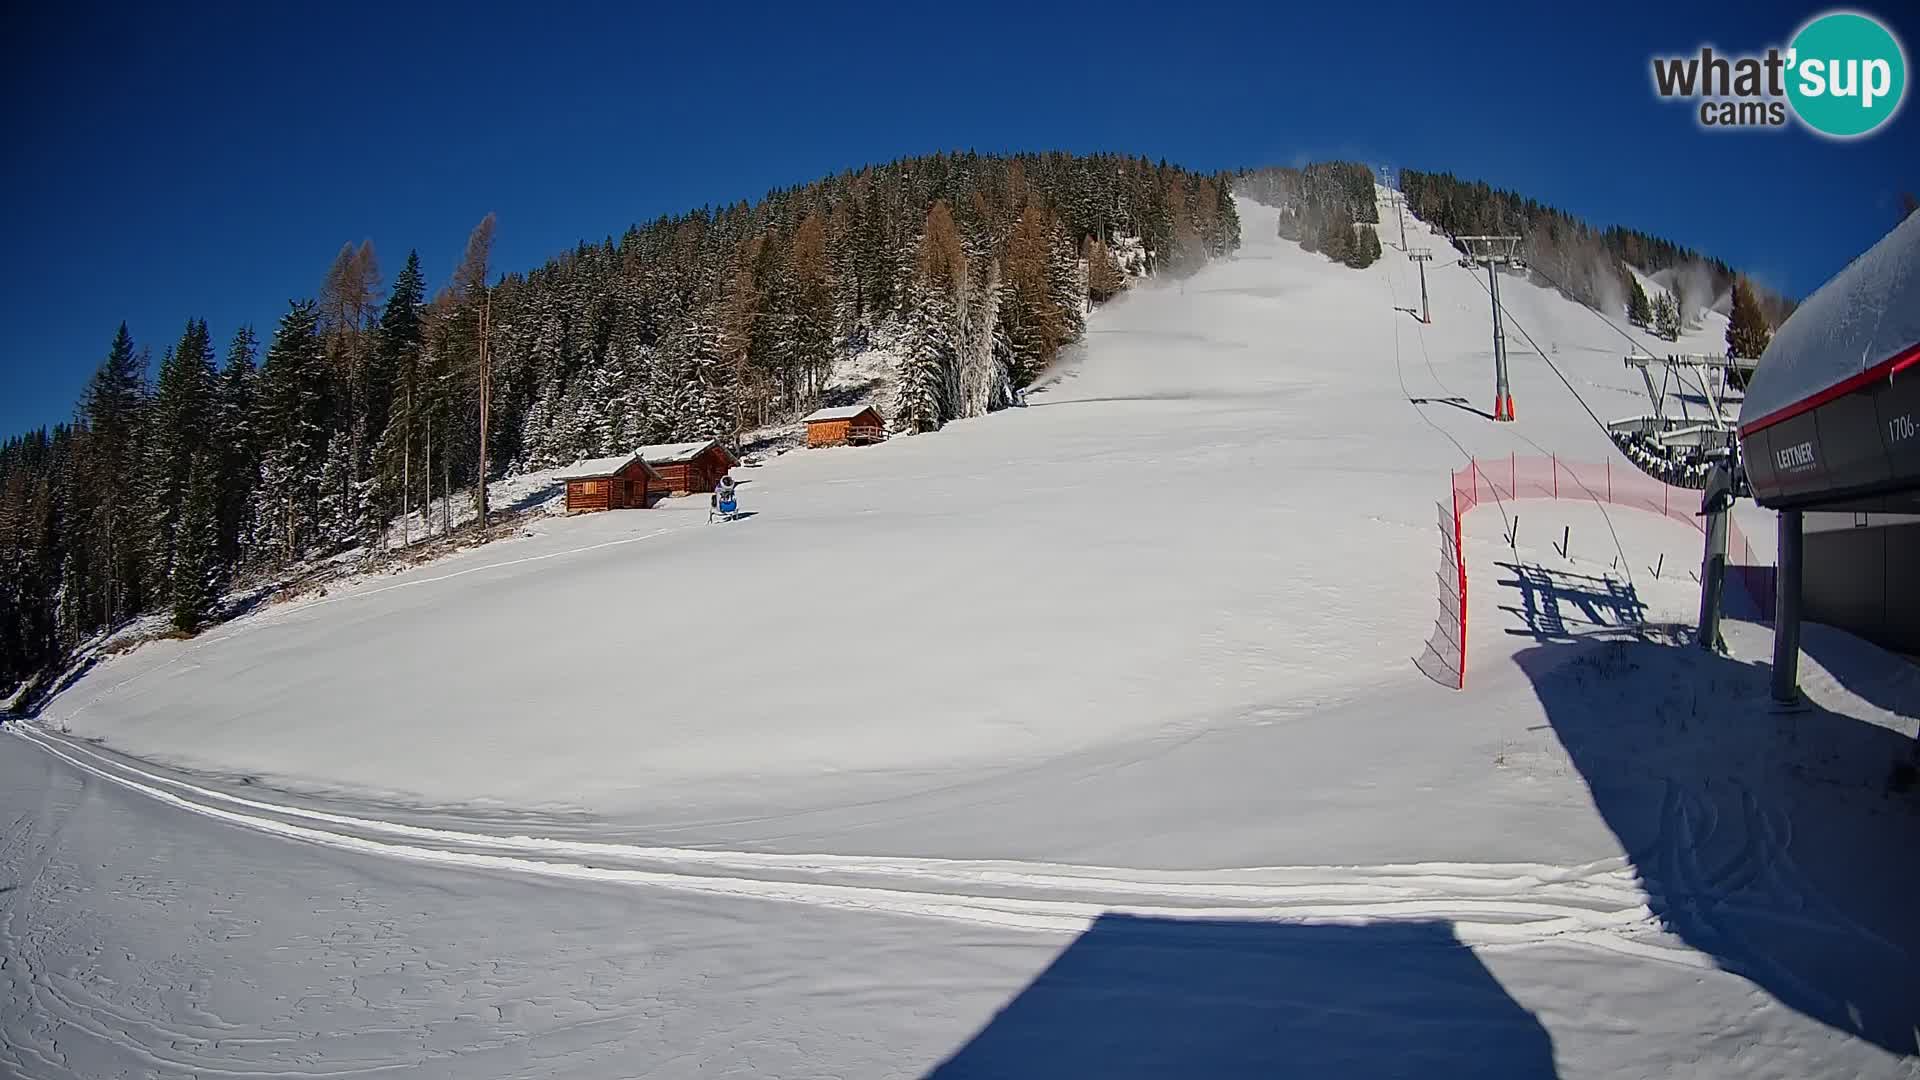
(1588, 263)
(972, 269)
(1324, 207)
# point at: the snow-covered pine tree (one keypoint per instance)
(572, 434)
(1639, 309)
(1227, 217)
(594, 427)
(1066, 282)
(1365, 249)
(178, 431)
(629, 360)
(113, 413)
(197, 574)
(1336, 237)
(921, 399)
(1181, 250)
(977, 376)
(294, 434)
(760, 306)
(1747, 331)
(1692, 290)
(702, 360)
(1030, 314)
(929, 376)
(536, 439)
(335, 521)
(394, 382)
(236, 447)
(812, 316)
(1666, 317)
(1105, 280)
(666, 392)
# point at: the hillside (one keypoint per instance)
(961, 275)
(1247, 415)
(1094, 688)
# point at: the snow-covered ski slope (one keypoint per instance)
(1131, 668)
(1221, 516)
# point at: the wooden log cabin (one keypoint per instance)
(610, 483)
(854, 425)
(688, 467)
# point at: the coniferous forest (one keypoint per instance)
(1587, 263)
(239, 457)
(1322, 208)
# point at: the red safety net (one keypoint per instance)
(1496, 480)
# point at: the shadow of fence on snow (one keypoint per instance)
(1599, 603)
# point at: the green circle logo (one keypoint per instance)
(1847, 74)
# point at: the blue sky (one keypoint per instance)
(210, 162)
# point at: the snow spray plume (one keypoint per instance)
(1609, 292)
(1693, 288)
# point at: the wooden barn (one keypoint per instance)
(854, 425)
(610, 483)
(688, 467)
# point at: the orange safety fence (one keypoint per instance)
(1493, 480)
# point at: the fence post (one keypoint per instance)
(1460, 567)
(1609, 479)
(1555, 460)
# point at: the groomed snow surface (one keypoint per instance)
(1082, 739)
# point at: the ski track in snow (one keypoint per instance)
(1599, 904)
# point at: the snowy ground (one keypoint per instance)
(1084, 738)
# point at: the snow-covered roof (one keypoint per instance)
(1866, 318)
(596, 468)
(675, 453)
(843, 412)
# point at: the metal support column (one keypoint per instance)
(1786, 611)
(1495, 252)
(1502, 394)
(1714, 504)
(1420, 257)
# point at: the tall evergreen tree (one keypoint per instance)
(1666, 317)
(400, 320)
(196, 575)
(1029, 317)
(236, 448)
(1336, 235)
(394, 394)
(1639, 309)
(929, 375)
(923, 397)
(295, 430)
(1105, 279)
(1747, 329)
(177, 434)
(113, 414)
(810, 327)
(1364, 250)
(1066, 280)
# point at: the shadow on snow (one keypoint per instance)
(1155, 997)
(1768, 840)
(1604, 603)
